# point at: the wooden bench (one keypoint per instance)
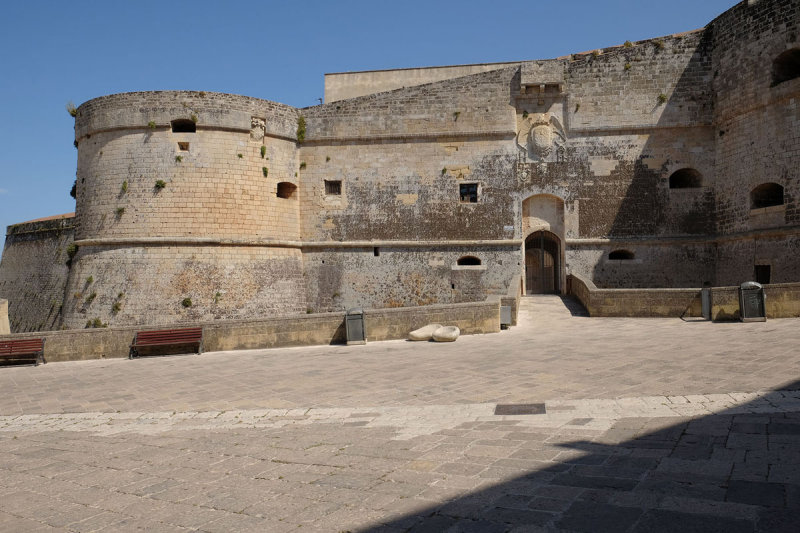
(167, 337)
(31, 350)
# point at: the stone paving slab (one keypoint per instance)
(649, 425)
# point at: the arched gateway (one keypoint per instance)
(542, 263)
(543, 225)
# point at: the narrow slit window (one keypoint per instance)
(376, 251)
(333, 187)
(183, 125)
(468, 193)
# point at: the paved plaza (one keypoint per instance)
(623, 425)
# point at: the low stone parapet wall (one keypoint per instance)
(300, 330)
(782, 301)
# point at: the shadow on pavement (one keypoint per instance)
(736, 471)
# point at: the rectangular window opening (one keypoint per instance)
(468, 193)
(376, 251)
(763, 274)
(183, 146)
(333, 187)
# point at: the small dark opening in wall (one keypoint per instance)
(286, 189)
(468, 192)
(763, 273)
(453, 286)
(685, 178)
(623, 255)
(376, 251)
(766, 195)
(183, 125)
(183, 146)
(786, 66)
(333, 187)
(468, 260)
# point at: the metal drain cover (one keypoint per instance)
(519, 409)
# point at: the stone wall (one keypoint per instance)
(137, 284)
(782, 301)
(33, 272)
(391, 276)
(344, 85)
(5, 327)
(757, 127)
(302, 330)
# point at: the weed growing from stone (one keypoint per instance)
(301, 128)
(160, 184)
(178, 158)
(151, 125)
(71, 109)
(265, 171)
(187, 302)
(662, 99)
(263, 151)
(124, 187)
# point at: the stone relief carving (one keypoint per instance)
(257, 128)
(541, 137)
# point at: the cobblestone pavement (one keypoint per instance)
(642, 425)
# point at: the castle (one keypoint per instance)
(670, 162)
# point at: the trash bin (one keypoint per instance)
(752, 305)
(354, 324)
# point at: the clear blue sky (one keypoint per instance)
(53, 52)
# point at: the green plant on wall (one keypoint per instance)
(116, 308)
(193, 118)
(302, 165)
(217, 297)
(119, 211)
(74, 190)
(524, 114)
(72, 249)
(90, 298)
(160, 184)
(265, 171)
(95, 323)
(186, 302)
(124, 187)
(151, 124)
(71, 109)
(263, 151)
(444, 171)
(627, 66)
(178, 158)
(301, 128)
(659, 45)
(327, 158)
(239, 156)
(628, 44)
(90, 280)
(662, 98)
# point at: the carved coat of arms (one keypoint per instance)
(541, 137)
